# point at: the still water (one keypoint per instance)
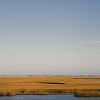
(98, 79)
(48, 97)
(92, 79)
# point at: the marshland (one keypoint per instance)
(49, 49)
(47, 85)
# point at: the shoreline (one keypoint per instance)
(73, 94)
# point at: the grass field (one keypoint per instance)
(80, 85)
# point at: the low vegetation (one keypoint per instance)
(44, 85)
(87, 93)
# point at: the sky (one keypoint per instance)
(49, 37)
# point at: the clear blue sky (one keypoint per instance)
(49, 36)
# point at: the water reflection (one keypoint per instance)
(47, 97)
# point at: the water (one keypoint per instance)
(91, 79)
(48, 97)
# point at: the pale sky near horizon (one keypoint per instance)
(49, 37)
